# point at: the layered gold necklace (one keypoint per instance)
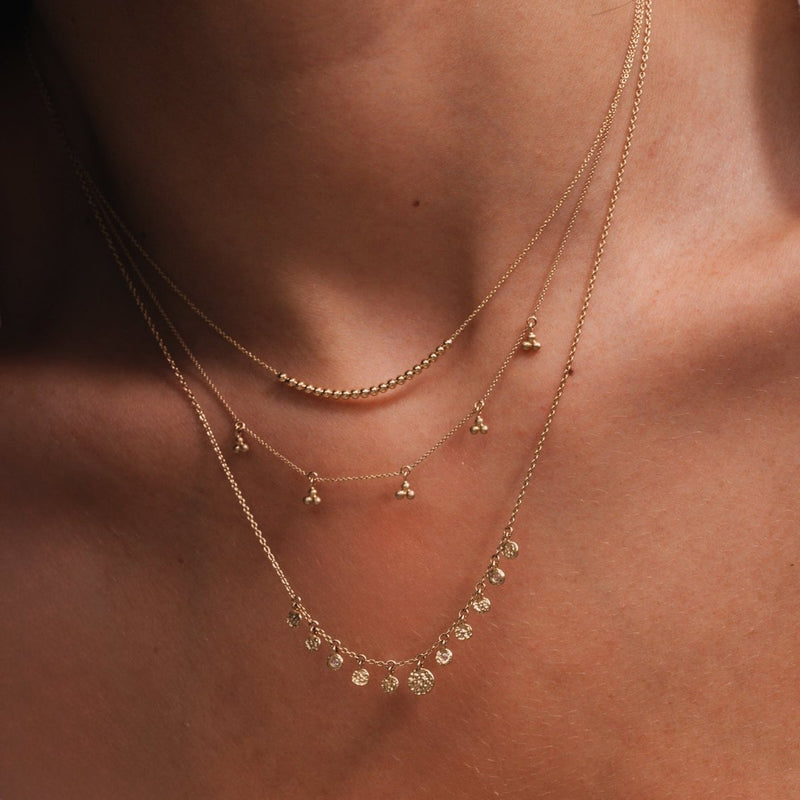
(420, 678)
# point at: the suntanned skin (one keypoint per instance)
(339, 184)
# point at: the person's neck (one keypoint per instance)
(343, 169)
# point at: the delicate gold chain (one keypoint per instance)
(404, 377)
(420, 679)
(315, 477)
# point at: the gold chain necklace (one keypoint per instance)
(529, 342)
(524, 342)
(114, 227)
(421, 679)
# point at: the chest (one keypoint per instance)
(643, 640)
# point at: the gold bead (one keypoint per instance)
(384, 387)
(337, 393)
(283, 377)
(345, 394)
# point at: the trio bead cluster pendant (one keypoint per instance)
(239, 444)
(530, 343)
(479, 426)
(405, 492)
(312, 498)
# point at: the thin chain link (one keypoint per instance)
(641, 35)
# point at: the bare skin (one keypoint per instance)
(340, 188)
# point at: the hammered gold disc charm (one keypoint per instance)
(420, 681)
(482, 604)
(313, 642)
(360, 677)
(293, 619)
(390, 684)
(462, 631)
(496, 576)
(510, 549)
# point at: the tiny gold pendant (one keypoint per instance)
(510, 549)
(293, 619)
(335, 661)
(405, 492)
(239, 445)
(462, 631)
(312, 498)
(479, 426)
(482, 604)
(420, 681)
(530, 342)
(390, 684)
(496, 576)
(313, 642)
(360, 677)
(444, 655)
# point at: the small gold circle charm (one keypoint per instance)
(510, 549)
(360, 677)
(462, 631)
(420, 681)
(335, 661)
(482, 604)
(293, 619)
(496, 576)
(390, 683)
(444, 656)
(313, 642)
